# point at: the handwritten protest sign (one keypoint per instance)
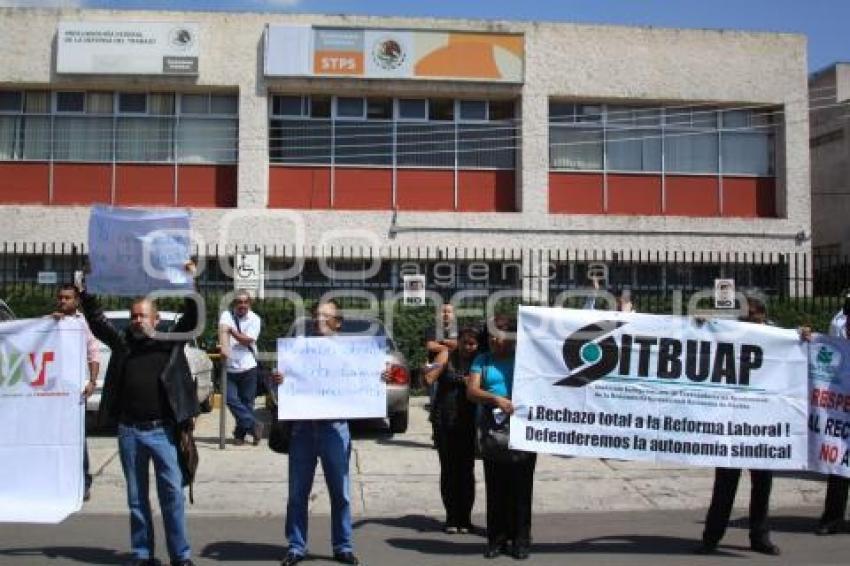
(133, 252)
(42, 370)
(336, 377)
(829, 397)
(660, 388)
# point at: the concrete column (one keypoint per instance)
(253, 175)
(533, 159)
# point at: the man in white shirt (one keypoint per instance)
(835, 503)
(239, 329)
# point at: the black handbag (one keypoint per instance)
(280, 433)
(494, 434)
(187, 452)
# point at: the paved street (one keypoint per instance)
(633, 538)
(586, 511)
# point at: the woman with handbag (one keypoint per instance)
(508, 474)
(454, 420)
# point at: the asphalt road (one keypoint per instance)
(633, 538)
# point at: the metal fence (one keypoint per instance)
(533, 275)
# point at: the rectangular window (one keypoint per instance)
(441, 110)
(572, 147)
(11, 101)
(379, 109)
(320, 106)
(412, 109)
(224, 104)
(634, 149)
(350, 107)
(288, 106)
(70, 102)
(132, 103)
(195, 104)
(499, 110)
(473, 110)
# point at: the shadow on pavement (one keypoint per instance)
(418, 523)
(396, 441)
(782, 524)
(616, 544)
(232, 551)
(82, 554)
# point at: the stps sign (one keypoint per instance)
(127, 48)
(388, 53)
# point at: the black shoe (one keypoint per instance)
(257, 433)
(184, 562)
(521, 552)
(706, 548)
(346, 558)
(292, 559)
(828, 529)
(494, 550)
(142, 562)
(764, 546)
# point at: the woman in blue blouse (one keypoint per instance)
(508, 484)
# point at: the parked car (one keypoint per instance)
(398, 387)
(199, 362)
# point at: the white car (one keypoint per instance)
(199, 362)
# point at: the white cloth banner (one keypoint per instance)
(661, 388)
(134, 252)
(829, 395)
(42, 419)
(337, 377)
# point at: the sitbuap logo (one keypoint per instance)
(600, 350)
(19, 367)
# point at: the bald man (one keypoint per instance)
(149, 392)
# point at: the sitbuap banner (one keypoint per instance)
(661, 388)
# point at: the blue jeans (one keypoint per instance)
(329, 441)
(241, 391)
(137, 448)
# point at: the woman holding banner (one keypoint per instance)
(508, 479)
(454, 419)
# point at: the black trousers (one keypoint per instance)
(723, 497)
(509, 487)
(835, 503)
(456, 448)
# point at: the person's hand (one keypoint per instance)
(385, 375)
(595, 282)
(805, 333)
(277, 377)
(89, 388)
(191, 268)
(505, 405)
(57, 315)
(700, 320)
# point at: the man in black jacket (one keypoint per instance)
(150, 393)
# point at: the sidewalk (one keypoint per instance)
(395, 475)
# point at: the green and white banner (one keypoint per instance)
(660, 388)
(829, 397)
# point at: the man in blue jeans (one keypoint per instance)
(150, 393)
(329, 441)
(239, 329)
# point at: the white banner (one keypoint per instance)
(42, 419)
(829, 396)
(336, 377)
(661, 388)
(133, 252)
(127, 48)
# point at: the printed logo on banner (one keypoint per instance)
(824, 363)
(24, 368)
(593, 352)
(388, 53)
(592, 358)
